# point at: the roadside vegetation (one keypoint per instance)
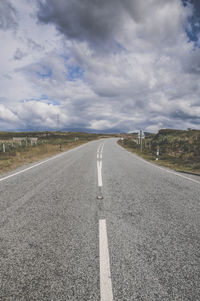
(178, 149)
(17, 149)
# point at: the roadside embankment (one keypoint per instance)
(178, 150)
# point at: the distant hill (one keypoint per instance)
(47, 135)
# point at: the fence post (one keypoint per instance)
(4, 148)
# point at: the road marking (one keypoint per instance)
(172, 172)
(40, 163)
(99, 164)
(99, 173)
(102, 146)
(105, 276)
(99, 147)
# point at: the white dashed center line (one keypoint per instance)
(99, 173)
(99, 164)
(105, 276)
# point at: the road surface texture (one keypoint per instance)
(99, 223)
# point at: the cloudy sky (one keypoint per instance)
(99, 65)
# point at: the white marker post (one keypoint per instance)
(157, 154)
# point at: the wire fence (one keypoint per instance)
(11, 147)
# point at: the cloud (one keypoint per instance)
(8, 16)
(19, 54)
(8, 118)
(33, 114)
(104, 66)
(193, 29)
(97, 24)
(6, 114)
(89, 20)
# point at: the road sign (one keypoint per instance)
(141, 135)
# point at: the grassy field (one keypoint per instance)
(179, 150)
(48, 144)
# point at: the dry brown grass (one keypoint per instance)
(8, 162)
(174, 164)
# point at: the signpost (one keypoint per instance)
(141, 136)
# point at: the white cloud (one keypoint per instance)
(132, 70)
(7, 115)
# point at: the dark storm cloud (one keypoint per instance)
(194, 30)
(195, 3)
(8, 15)
(93, 21)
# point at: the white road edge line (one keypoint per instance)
(169, 171)
(105, 276)
(174, 173)
(40, 163)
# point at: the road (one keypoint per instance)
(99, 223)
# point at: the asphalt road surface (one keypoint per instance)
(99, 223)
